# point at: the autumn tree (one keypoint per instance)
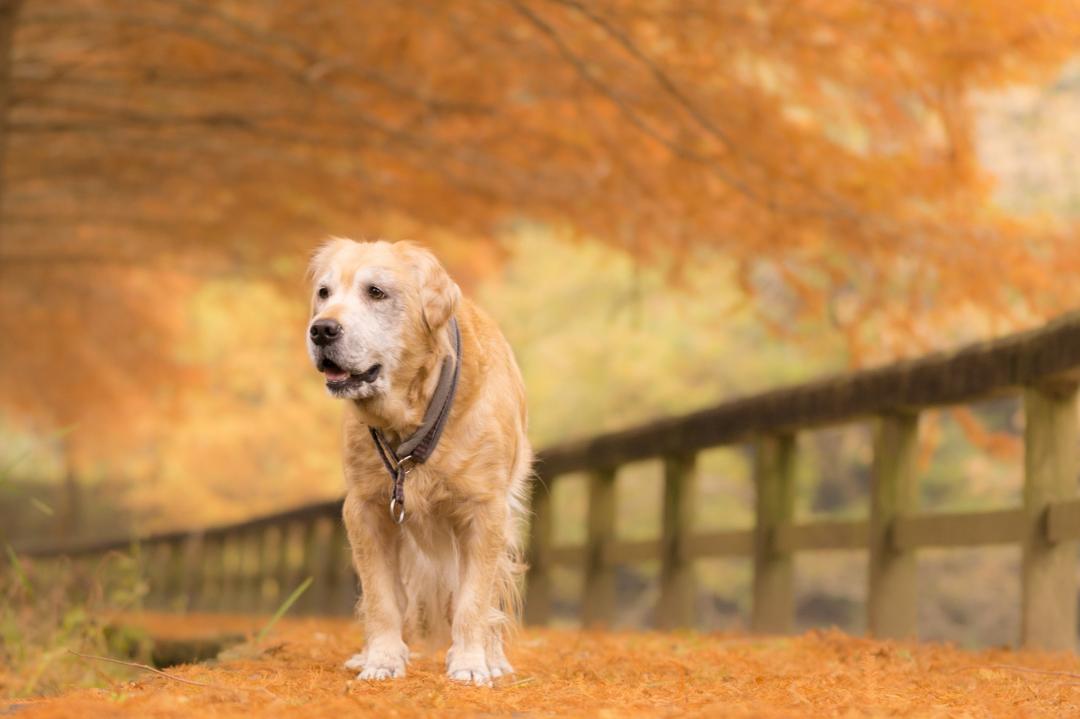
(825, 146)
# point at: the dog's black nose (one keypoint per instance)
(324, 332)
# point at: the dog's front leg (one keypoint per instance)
(481, 541)
(376, 544)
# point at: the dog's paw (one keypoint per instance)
(497, 663)
(468, 668)
(378, 663)
(476, 675)
(380, 672)
(500, 668)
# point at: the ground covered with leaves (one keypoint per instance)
(296, 671)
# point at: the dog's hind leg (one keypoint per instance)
(507, 604)
(482, 542)
(504, 611)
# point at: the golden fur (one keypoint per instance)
(450, 571)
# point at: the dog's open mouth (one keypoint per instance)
(338, 377)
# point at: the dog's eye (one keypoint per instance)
(324, 292)
(375, 293)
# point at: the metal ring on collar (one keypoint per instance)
(397, 511)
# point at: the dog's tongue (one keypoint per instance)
(335, 375)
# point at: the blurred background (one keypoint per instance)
(664, 204)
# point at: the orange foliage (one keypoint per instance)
(998, 444)
(150, 144)
(298, 673)
(83, 351)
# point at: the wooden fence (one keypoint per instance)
(247, 567)
(251, 565)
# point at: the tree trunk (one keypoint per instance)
(9, 13)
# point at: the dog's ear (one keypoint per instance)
(322, 256)
(439, 295)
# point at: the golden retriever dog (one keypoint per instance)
(382, 329)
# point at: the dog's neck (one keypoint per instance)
(400, 411)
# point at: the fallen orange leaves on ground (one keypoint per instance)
(297, 672)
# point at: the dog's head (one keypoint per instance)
(376, 310)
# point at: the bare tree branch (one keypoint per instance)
(587, 74)
(319, 65)
(661, 77)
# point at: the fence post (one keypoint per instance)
(774, 482)
(538, 576)
(193, 581)
(678, 584)
(174, 599)
(308, 532)
(1048, 570)
(232, 548)
(214, 572)
(268, 568)
(158, 569)
(892, 600)
(349, 589)
(250, 569)
(288, 570)
(338, 571)
(598, 604)
(318, 565)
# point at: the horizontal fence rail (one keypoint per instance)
(251, 565)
